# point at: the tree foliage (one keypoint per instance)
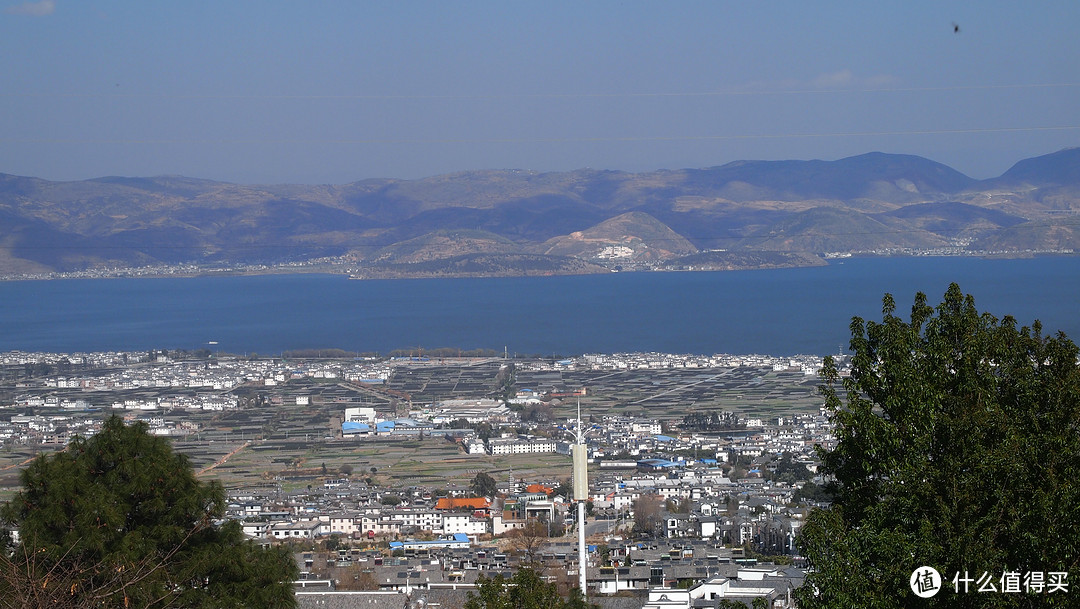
(711, 421)
(483, 485)
(677, 505)
(789, 471)
(504, 381)
(812, 492)
(958, 447)
(525, 590)
(757, 603)
(120, 520)
(538, 413)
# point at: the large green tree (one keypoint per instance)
(120, 520)
(958, 448)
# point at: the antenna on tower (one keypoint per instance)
(579, 435)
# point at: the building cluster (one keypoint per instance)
(674, 529)
(695, 551)
(216, 374)
(95, 359)
(59, 429)
(330, 264)
(675, 509)
(155, 382)
(695, 501)
(40, 429)
(808, 364)
(443, 572)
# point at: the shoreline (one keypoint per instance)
(354, 272)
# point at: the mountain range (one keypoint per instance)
(745, 214)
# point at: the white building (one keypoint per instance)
(360, 415)
(304, 529)
(519, 446)
(342, 525)
(464, 523)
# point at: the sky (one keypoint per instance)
(331, 92)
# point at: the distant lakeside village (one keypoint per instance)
(610, 260)
(410, 477)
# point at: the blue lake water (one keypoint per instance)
(779, 312)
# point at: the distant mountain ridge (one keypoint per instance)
(496, 221)
(875, 175)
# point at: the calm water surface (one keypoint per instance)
(779, 312)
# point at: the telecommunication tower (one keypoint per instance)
(581, 494)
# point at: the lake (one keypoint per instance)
(777, 312)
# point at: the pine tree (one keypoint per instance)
(120, 520)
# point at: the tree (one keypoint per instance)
(525, 590)
(120, 520)
(484, 430)
(504, 382)
(483, 485)
(958, 449)
(811, 492)
(710, 421)
(787, 470)
(677, 505)
(538, 413)
(529, 540)
(647, 515)
(727, 603)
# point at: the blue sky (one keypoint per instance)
(337, 91)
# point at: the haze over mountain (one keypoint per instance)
(503, 222)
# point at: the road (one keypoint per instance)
(595, 526)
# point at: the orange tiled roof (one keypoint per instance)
(450, 503)
(539, 488)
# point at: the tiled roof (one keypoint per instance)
(449, 503)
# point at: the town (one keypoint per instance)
(409, 477)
